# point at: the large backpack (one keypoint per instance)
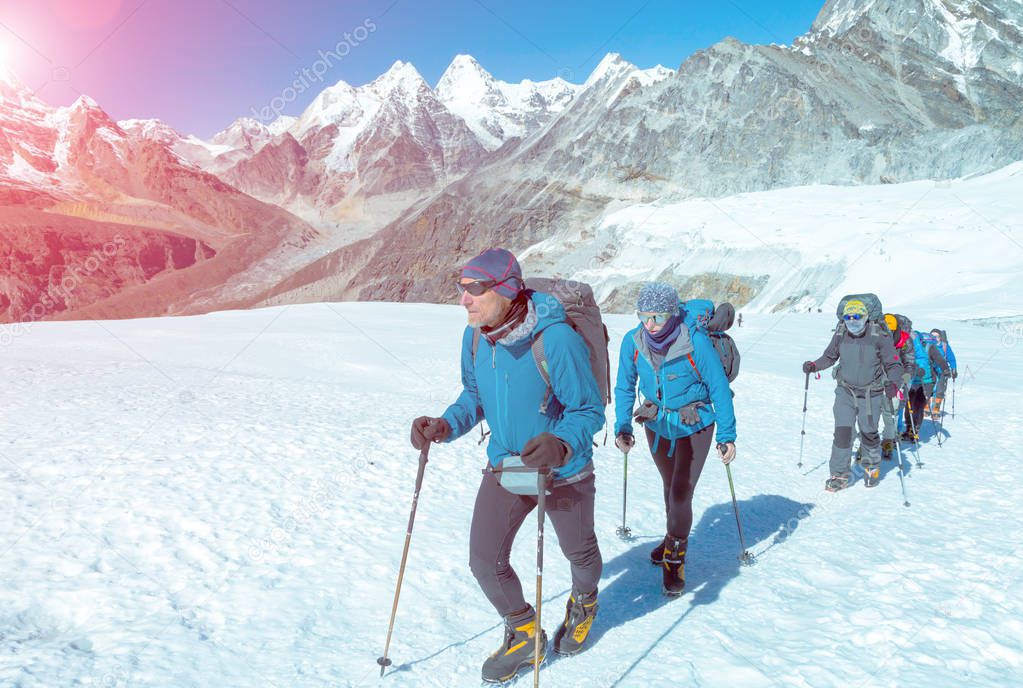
(906, 353)
(876, 327)
(873, 304)
(583, 314)
(700, 314)
(922, 350)
(903, 323)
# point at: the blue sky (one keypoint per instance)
(198, 64)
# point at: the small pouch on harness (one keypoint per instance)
(690, 413)
(516, 477)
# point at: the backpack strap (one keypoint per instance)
(693, 364)
(475, 348)
(540, 357)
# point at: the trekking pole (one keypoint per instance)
(902, 478)
(541, 485)
(746, 557)
(383, 661)
(954, 398)
(941, 419)
(623, 531)
(930, 404)
(802, 436)
(912, 429)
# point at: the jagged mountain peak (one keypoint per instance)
(902, 16)
(612, 65)
(963, 34)
(242, 131)
(84, 102)
(465, 77)
(401, 75)
(152, 129)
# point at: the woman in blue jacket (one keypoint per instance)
(685, 394)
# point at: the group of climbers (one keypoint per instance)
(881, 359)
(522, 352)
(539, 376)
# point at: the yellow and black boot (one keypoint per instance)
(575, 629)
(674, 567)
(657, 553)
(517, 650)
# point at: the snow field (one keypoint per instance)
(222, 501)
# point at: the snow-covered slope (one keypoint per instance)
(767, 251)
(212, 505)
(806, 246)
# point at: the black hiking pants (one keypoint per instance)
(495, 521)
(680, 471)
(918, 398)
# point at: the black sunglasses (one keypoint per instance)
(477, 287)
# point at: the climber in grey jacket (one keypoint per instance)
(868, 365)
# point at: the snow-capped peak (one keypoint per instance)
(152, 129)
(241, 132)
(281, 124)
(957, 31)
(611, 66)
(465, 79)
(496, 110)
(401, 75)
(838, 15)
(84, 102)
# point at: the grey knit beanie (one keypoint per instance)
(657, 297)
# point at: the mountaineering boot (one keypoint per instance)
(936, 407)
(579, 614)
(516, 651)
(837, 482)
(657, 553)
(887, 450)
(674, 566)
(909, 436)
(871, 475)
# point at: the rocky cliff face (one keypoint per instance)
(109, 210)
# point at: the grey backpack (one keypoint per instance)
(874, 311)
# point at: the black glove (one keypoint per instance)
(544, 451)
(625, 441)
(426, 430)
(809, 367)
(647, 411)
